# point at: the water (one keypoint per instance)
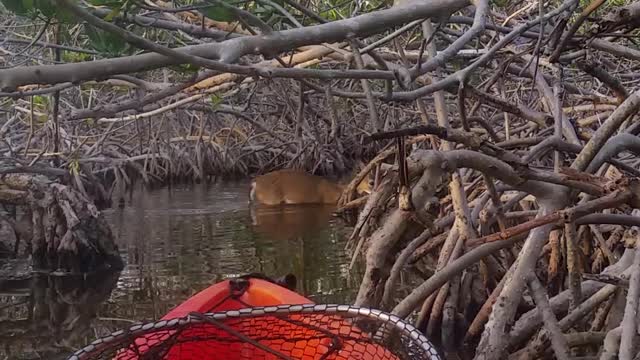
(175, 243)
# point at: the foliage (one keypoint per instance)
(185, 68)
(37, 8)
(219, 12)
(72, 56)
(41, 101)
(106, 42)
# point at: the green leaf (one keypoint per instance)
(215, 101)
(74, 167)
(218, 13)
(264, 13)
(72, 56)
(501, 3)
(33, 8)
(19, 7)
(66, 16)
(109, 3)
(185, 68)
(116, 6)
(40, 100)
(46, 8)
(106, 42)
(112, 14)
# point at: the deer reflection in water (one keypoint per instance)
(290, 221)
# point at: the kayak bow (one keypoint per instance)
(250, 318)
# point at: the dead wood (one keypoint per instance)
(68, 233)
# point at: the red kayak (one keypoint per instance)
(218, 297)
(250, 318)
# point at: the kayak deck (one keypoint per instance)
(242, 319)
(219, 297)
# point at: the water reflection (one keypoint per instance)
(175, 242)
(289, 222)
(49, 314)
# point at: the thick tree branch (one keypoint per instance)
(231, 50)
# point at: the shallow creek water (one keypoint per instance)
(176, 242)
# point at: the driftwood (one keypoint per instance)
(60, 229)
